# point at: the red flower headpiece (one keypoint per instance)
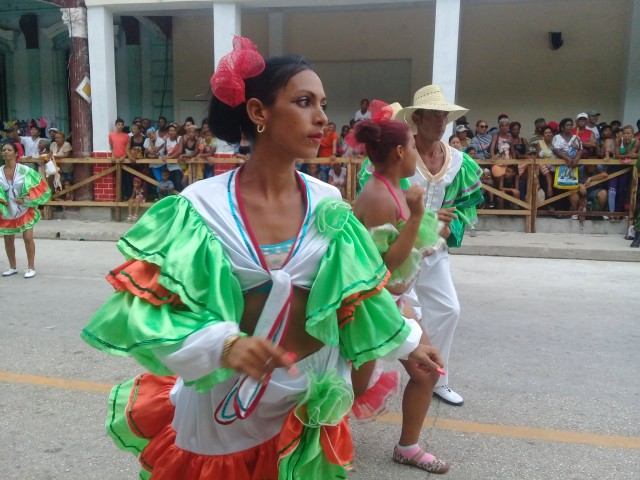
(381, 112)
(244, 61)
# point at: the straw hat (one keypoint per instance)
(431, 98)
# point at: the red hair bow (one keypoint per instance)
(381, 112)
(244, 61)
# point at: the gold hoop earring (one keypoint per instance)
(261, 128)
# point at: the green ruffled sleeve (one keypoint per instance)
(348, 305)
(464, 193)
(35, 189)
(4, 210)
(192, 268)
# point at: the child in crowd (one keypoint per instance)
(454, 142)
(206, 149)
(404, 234)
(137, 198)
(166, 185)
(509, 184)
(487, 179)
(472, 152)
(338, 177)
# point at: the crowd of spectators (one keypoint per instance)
(568, 140)
(174, 145)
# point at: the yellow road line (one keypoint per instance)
(527, 433)
(512, 431)
(63, 383)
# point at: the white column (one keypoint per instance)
(631, 106)
(445, 49)
(226, 24)
(103, 78)
(276, 34)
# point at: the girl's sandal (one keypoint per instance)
(134, 218)
(434, 466)
(129, 218)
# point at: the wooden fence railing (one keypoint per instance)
(527, 208)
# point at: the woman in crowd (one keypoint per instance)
(174, 149)
(519, 145)
(259, 289)
(501, 148)
(626, 150)
(404, 234)
(60, 148)
(482, 140)
(135, 152)
(190, 144)
(21, 191)
(154, 147)
(566, 145)
(545, 151)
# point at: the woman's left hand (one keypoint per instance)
(20, 201)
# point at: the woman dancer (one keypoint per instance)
(21, 191)
(244, 274)
(404, 234)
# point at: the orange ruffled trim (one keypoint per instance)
(349, 304)
(150, 414)
(39, 190)
(28, 217)
(336, 441)
(141, 279)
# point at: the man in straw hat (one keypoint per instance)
(451, 180)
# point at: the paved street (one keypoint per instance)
(546, 356)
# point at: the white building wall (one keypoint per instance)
(504, 63)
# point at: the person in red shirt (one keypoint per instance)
(328, 149)
(118, 141)
(586, 136)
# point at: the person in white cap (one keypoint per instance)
(451, 180)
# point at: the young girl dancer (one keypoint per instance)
(257, 289)
(404, 234)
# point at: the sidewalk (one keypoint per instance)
(580, 246)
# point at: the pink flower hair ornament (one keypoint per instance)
(244, 61)
(381, 112)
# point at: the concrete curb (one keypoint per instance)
(573, 246)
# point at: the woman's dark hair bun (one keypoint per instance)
(367, 132)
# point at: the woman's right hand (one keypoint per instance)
(427, 358)
(415, 200)
(258, 357)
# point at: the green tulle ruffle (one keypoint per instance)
(352, 274)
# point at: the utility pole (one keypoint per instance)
(74, 16)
